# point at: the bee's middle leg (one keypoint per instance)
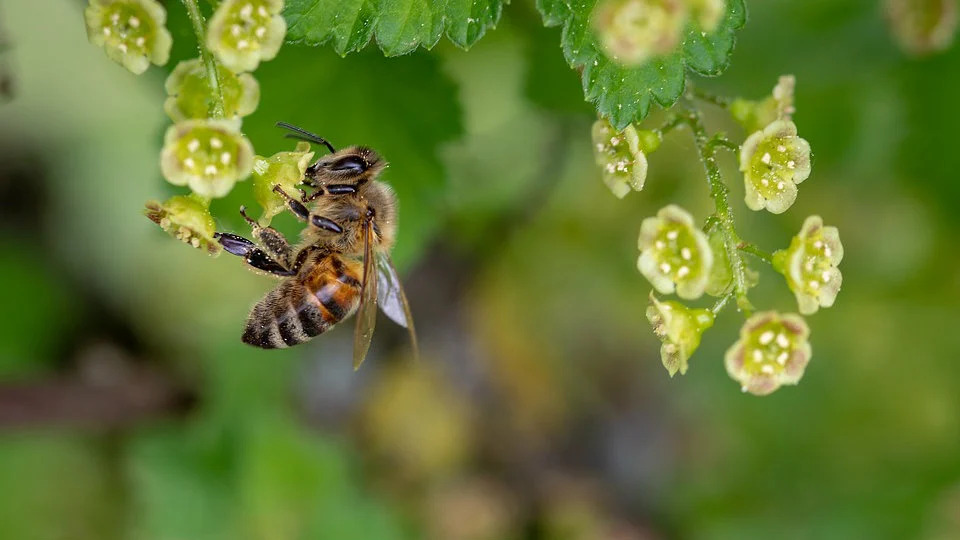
(272, 241)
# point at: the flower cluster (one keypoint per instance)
(621, 156)
(674, 253)
(633, 31)
(132, 32)
(810, 265)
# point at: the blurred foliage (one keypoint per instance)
(540, 408)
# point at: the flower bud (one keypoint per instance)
(755, 115)
(679, 328)
(186, 218)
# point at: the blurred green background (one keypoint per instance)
(130, 409)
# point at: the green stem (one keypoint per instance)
(719, 192)
(719, 101)
(674, 122)
(764, 256)
(721, 303)
(209, 64)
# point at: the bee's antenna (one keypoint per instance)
(304, 135)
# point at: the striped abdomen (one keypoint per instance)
(307, 305)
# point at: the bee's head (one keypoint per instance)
(348, 166)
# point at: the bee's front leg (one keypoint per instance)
(253, 255)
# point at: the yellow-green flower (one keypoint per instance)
(621, 156)
(131, 32)
(773, 161)
(284, 168)
(679, 328)
(674, 253)
(242, 33)
(186, 218)
(772, 351)
(721, 276)
(208, 155)
(189, 95)
(633, 31)
(810, 265)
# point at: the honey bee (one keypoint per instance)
(341, 266)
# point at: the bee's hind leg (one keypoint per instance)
(253, 255)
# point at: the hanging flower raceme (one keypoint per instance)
(190, 96)
(772, 351)
(633, 31)
(187, 218)
(810, 265)
(773, 161)
(285, 169)
(756, 115)
(243, 33)
(622, 155)
(679, 328)
(208, 155)
(674, 253)
(132, 32)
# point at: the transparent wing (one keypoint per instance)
(367, 312)
(392, 299)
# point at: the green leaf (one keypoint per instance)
(624, 94)
(400, 26)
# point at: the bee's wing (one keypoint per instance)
(367, 312)
(392, 299)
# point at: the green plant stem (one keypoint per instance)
(674, 122)
(752, 249)
(721, 303)
(713, 99)
(209, 63)
(719, 192)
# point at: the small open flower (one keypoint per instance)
(772, 351)
(922, 27)
(810, 265)
(244, 32)
(622, 156)
(679, 328)
(674, 253)
(755, 115)
(773, 162)
(186, 218)
(208, 155)
(131, 32)
(284, 168)
(189, 95)
(633, 31)
(707, 13)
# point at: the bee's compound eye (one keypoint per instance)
(349, 164)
